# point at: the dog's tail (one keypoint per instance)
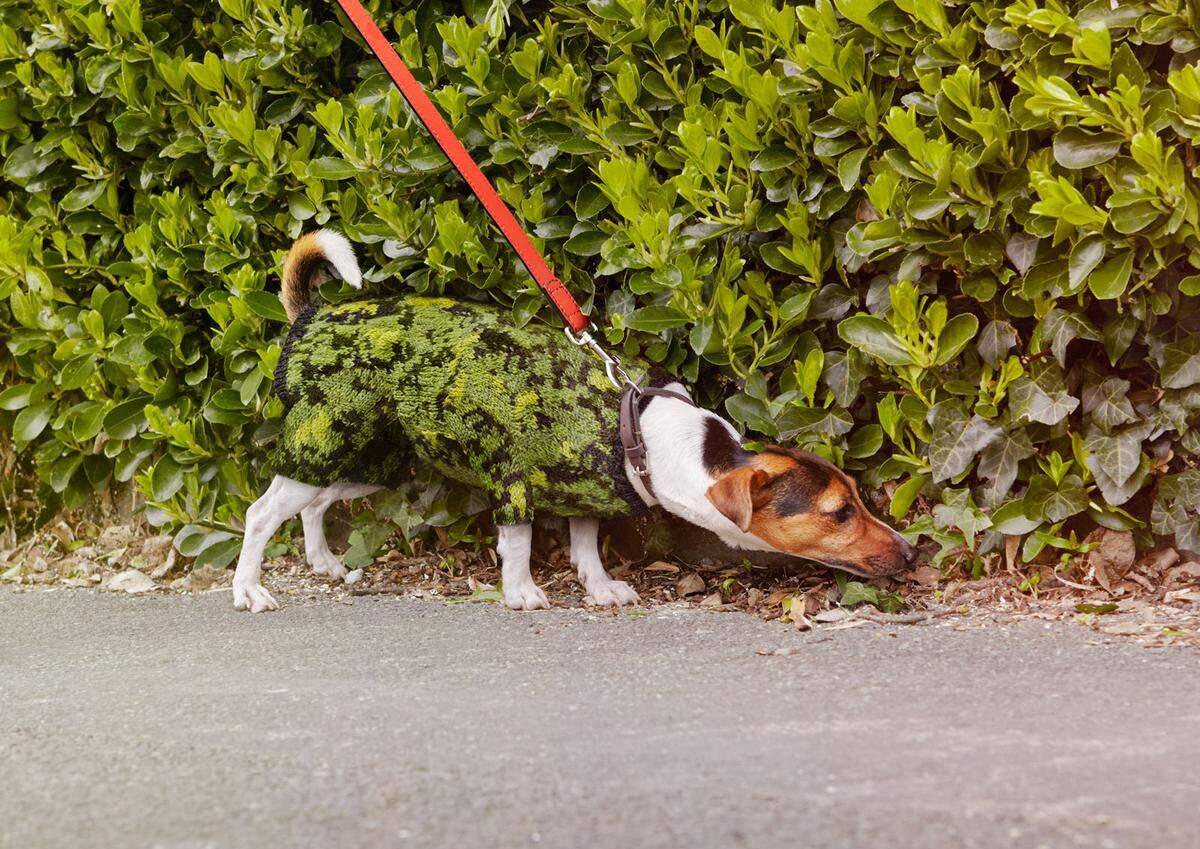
(312, 259)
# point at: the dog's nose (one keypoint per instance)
(909, 552)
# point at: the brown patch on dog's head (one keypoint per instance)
(801, 504)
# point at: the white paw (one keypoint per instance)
(610, 592)
(527, 596)
(327, 564)
(252, 597)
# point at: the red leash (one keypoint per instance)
(555, 291)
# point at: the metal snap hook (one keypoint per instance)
(612, 365)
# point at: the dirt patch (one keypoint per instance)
(1153, 600)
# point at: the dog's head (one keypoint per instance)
(801, 504)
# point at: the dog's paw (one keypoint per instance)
(252, 597)
(328, 564)
(610, 592)
(525, 597)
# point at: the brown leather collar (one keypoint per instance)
(631, 427)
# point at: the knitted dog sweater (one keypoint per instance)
(372, 387)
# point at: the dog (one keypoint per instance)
(374, 386)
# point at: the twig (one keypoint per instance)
(914, 618)
(1064, 581)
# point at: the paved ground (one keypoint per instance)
(176, 722)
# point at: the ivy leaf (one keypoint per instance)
(1055, 503)
(994, 342)
(1060, 327)
(1117, 455)
(1108, 403)
(956, 439)
(874, 336)
(1114, 492)
(750, 412)
(1176, 509)
(958, 510)
(1119, 333)
(1011, 519)
(1181, 363)
(843, 374)
(1001, 459)
(1021, 251)
(1041, 397)
(796, 420)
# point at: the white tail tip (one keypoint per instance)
(340, 254)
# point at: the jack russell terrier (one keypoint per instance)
(372, 387)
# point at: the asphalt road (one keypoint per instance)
(178, 722)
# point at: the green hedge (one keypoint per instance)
(949, 245)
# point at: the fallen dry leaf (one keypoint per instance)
(1012, 546)
(1186, 594)
(1157, 561)
(926, 576)
(1112, 557)
(836, 614)
(689, 584)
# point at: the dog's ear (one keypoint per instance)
(735, 494)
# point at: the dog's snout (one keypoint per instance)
(908, 552)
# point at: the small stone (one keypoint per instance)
(130, 581)
(353, 577)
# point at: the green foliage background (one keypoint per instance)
(950, 245)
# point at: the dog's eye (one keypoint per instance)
(843, 513)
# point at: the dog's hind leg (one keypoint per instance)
(513, 546)
(283, 499)
(585, 554)
(316, 548)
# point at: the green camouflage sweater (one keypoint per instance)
(372, 387)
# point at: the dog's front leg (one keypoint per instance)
(585, 554)
(514, 545)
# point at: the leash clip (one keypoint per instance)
(612, 365)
